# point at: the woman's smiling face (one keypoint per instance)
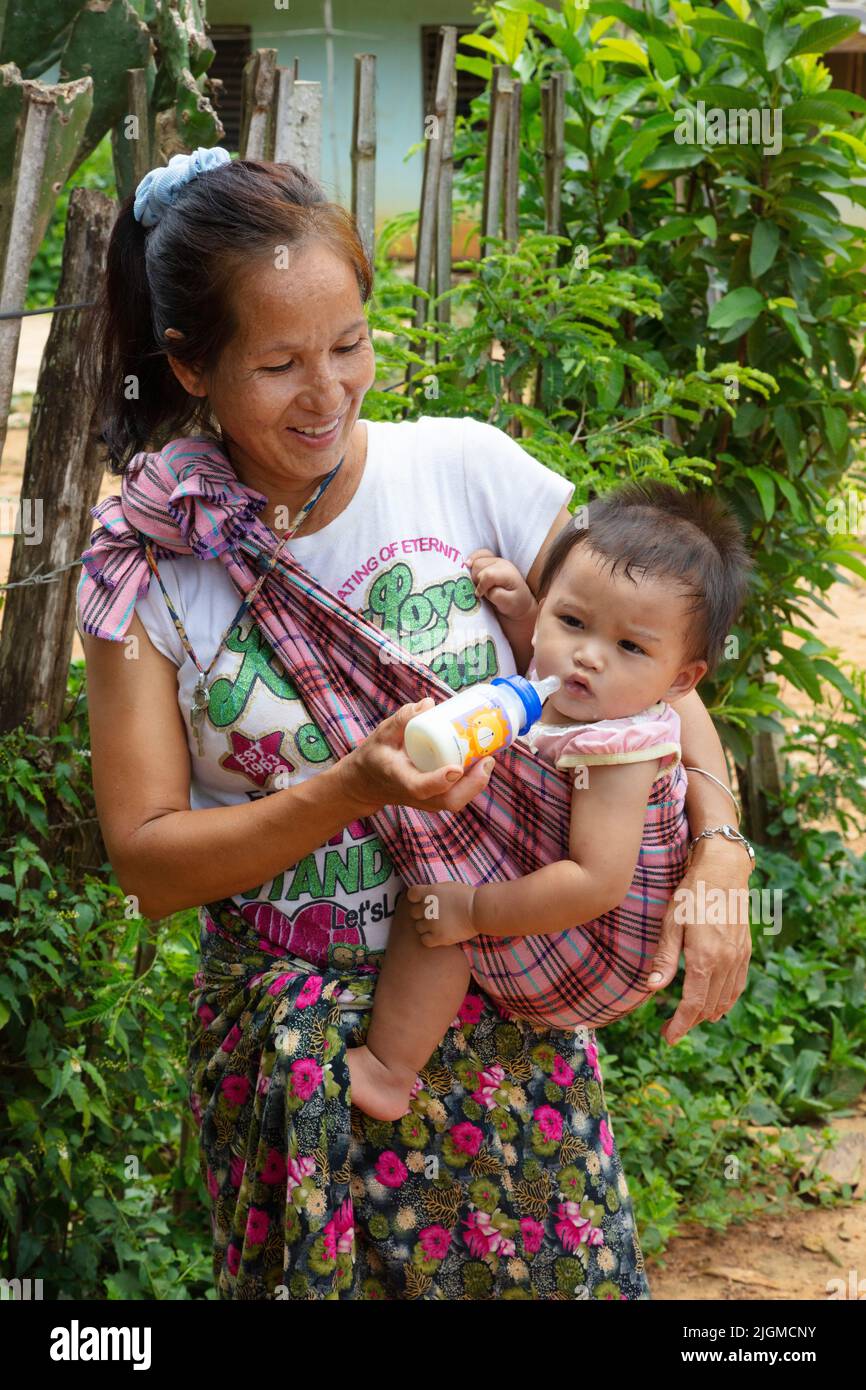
(616, 644)
(288, 387)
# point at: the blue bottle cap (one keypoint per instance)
(528, 695)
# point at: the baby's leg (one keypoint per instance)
(419, 991)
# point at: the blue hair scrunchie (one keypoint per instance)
(159, 188)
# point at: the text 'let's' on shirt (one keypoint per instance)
(432, 491)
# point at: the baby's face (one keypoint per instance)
(617, 644)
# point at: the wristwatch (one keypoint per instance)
(729, 833)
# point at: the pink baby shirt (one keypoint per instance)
(652, 733)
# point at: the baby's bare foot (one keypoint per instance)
(381, 1092)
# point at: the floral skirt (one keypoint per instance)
(502, 1181)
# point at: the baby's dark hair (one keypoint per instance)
(690, 538)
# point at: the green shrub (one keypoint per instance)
(100, 1194)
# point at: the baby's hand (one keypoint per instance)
(442, 912)
(502, 584)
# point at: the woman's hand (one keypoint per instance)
(379, 772)
(442, 912)
(717, 954)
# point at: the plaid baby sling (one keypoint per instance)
(186, 499)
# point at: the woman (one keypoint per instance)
(234, 303)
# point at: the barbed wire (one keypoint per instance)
(36, 578)
(51, 309)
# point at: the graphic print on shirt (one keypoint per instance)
(261, 759)
(420, 618)
(351, 866)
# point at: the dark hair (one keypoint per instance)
(178, 274)
(688, 537)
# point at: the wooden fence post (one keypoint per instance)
(512, 167)
(444, 206)
(298, 133)
(553, 116)
(364, 149)
(428, 214)
(257, 102)
(53, 119)
(132, 154)
(501, 94)
(61, 482)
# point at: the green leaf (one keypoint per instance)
(624, 100)
(836, 678)
(662, 59)
(788, 490)
(623, 51)
(481, 67)
(708, 226)
(486, 45)
(801, 671)
(792, 323)
(846, 560)
(766, 489)
(778, 42)
(786, 425)
(742, 304)
(835, 428)
(674, 157)
(825, 33)
(671, 231)
(513, 32)
(716, 26)
(813, 111)
(765, 244)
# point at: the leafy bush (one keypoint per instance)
(702, 317)
(100, 1194)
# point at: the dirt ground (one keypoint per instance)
(790, 1255)
(810, 1252)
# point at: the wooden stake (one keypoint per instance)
(62, 476)
(444, 206)
(553, 115)
(512, 166)
(434, 124)
(298, 134)
(497, 135)
(257, 102)
(51, 122)
(364, 149)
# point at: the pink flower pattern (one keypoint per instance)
(339, 1232)
(574, 1229)
(391, 1170)
(483, 1238)
(279, 1217)
(489, 1083)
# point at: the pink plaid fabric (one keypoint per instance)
(188, 500)
(581, 976)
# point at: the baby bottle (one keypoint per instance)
(478, 720)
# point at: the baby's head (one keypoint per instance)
(637, 599)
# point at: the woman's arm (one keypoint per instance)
(163, 853)
(717, 953)
(706, 804)
(169, 856)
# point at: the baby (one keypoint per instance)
(636, 597)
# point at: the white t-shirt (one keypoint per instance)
(432, 491)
